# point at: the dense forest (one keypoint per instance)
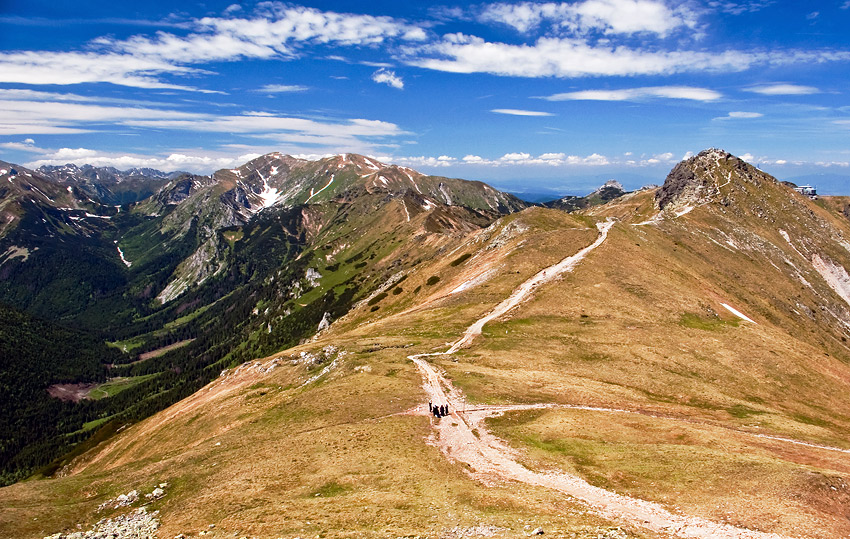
(35, 427)
(217, 321)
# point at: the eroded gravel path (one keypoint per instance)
(464, 437)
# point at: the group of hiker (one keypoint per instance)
(438, 411)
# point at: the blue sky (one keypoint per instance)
(528, 96)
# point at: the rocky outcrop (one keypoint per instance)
(700, 179)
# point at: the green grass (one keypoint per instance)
(742, 411)
(113, 387)
(127, 346)
(695, 321)
(89, 425)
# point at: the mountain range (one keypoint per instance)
(671, 361)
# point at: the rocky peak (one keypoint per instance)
(699, 179)
(609, 190)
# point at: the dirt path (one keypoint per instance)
(518, 295)
(464, 437)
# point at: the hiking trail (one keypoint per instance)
(464, 437)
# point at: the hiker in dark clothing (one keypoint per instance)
(430, 407)
(436, 412)
(445, 409)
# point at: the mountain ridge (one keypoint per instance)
(696, 358)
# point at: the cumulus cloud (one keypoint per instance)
(548, 160)
(783, 89)
(508, 159)
(637, 94)
(385, 76)
(605, 16)
(520, 112)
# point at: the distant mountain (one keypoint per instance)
(229, 266)
(107, 184)
(608, 191)
(681, 353)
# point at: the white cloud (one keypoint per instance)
(277, 30)
(519, 112)
(384, 76)
(572, 57)
(605, 16)
(737, 8)
(846, 5)
(508, 159)
(282, 88)
(738, 115)
(783, 89)
(43, 67)
(70, 154)
(422, 161)
(29, 116)
(199, 162)
(26, 145)
(637, 94)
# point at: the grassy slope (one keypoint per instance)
(650, 335)
(341, 437)
(653, 336)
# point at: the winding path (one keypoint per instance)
(464, 437)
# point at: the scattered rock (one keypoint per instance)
(538, 531)
(136, 525)
(155, 494)
(125, 500)
(482, 530)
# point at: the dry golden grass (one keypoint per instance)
(637, 325)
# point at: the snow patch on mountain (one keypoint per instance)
(738, 313)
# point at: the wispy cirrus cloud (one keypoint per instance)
(639, 94)
(783, 89)
(521, 112)
(737, 8)
(274, 31)
(740, 115)
(281, 88)
(575, 57)
(31, 113)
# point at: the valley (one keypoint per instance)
(670, 362)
